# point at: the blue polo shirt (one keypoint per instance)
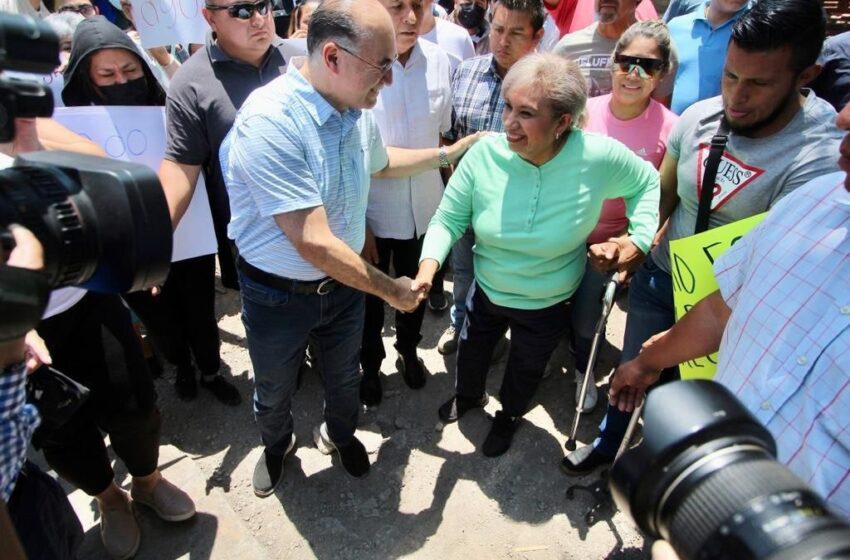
(702, 54)
(290, 150)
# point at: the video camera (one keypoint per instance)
(705, 478)
(104, 224)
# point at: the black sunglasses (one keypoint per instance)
(243, 10)
(646, 66)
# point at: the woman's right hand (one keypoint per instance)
(425, 277)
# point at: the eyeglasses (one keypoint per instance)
(243, 10)
(82, 9)
(383, 69)
(646, 67)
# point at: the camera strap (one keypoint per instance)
(23, 297)
(712, 164)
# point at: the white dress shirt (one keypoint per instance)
(411, 113)
(452, 38)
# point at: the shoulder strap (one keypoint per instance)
(718, 144)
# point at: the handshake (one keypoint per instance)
(408, 294)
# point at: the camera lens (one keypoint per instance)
(705, 478)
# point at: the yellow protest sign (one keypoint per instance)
(691, 260)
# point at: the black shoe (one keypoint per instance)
(186, 385)
(371, 392)
(223, 390)
(412, 369)
(437, 301)
(353, 456)
(269, 471)
(457, 406)
(584, 460)
(501, 433)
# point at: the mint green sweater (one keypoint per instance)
(531, 223)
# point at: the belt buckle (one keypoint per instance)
(323, 288)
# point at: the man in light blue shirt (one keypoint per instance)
(297, 164)
(701, 38)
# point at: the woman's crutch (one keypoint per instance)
(608, 297)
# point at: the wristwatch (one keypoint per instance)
(443, 155)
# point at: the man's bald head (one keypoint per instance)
(348, 22)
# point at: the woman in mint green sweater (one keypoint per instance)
(532, 196)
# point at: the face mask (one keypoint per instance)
(470, 15)
(132, 92)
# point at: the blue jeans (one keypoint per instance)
(650, 312)
(587, 308)
(463, 274)
(278, 325)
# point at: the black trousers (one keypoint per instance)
(181, 320)
(94, 343)
(534, 336)
(403, 254)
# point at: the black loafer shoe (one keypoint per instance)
(353, 456)
(584, 460)
(501, 434)
(412, 370)
(437, 301)
(268, 471)
(457, 406)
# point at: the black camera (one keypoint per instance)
(705, 478)
(104, 224)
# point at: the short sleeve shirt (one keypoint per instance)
(290, 150)
(202, 101)
(754, 173)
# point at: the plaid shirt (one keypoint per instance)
(477, 102)
(786, 346)
(18, 420)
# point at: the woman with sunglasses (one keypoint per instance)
(532, 196)
(641, 60)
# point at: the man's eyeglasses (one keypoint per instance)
(82, 9)
(243, 10)
(646, 67)
(383, 69)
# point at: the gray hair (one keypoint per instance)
(651, 29)
(333, 20)
(559, 80)
(64, 24)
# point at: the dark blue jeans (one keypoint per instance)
(650, 312)
(462, 276)
(534, 335)
(279, 324)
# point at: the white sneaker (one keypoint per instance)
(590, 397)
(448, 341)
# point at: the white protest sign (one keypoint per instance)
(137, 134)
(169, 22)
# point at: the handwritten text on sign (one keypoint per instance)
(691, 260)
(169, 22)
(137, 134)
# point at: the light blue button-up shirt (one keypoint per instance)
(290, 150)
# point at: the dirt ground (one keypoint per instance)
(430, 492)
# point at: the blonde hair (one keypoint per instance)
(559, 80)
